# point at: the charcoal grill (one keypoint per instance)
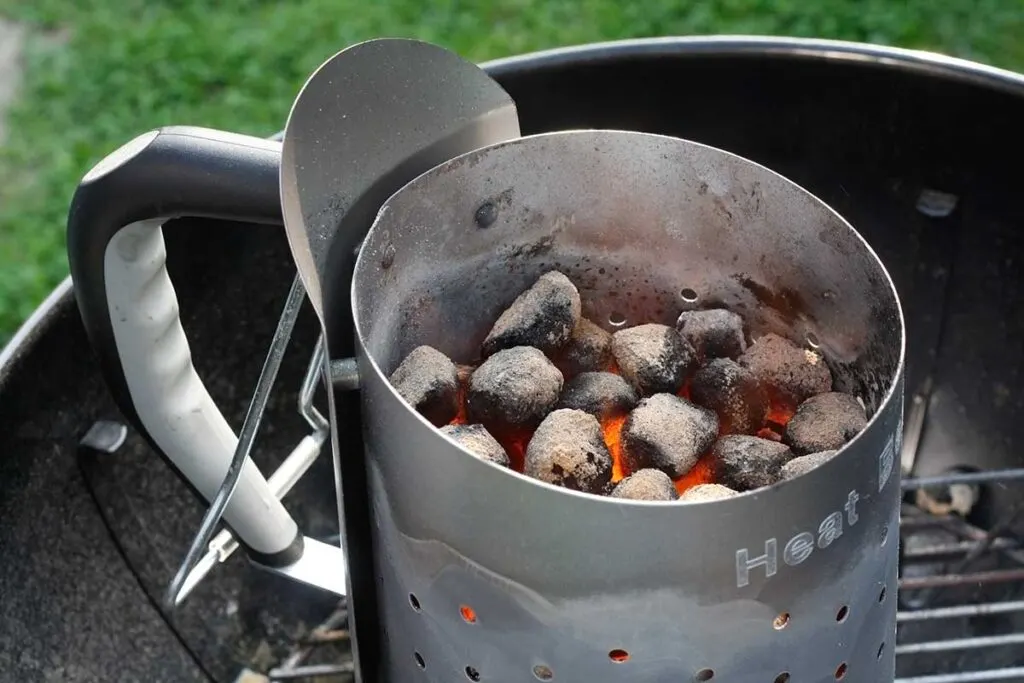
(960, 640)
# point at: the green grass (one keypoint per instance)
(99, 72)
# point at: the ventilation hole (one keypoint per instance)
(881, 595)
(704, 675)
(843, 612)
(782, 677)
(468, 614)
(472, 674)
(543, 673)
(841, 671)
(616, 320)
(812, 340)
(414, 601)
(618, 656)
(881, 649)
(419, 660)
(781, 621)
(688, 295)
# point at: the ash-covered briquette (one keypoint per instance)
(478, 441)
(602, 394)
(543, 316)
(653, 358)
(792, 373)
(825, 422)
(516, 387)
(667, 432)
(429, 381)
(744, 462)
(648, 484)
(703, 492)
(714, 333)
(568, 450)
(589, 349)
(805, 463)
(732, 391)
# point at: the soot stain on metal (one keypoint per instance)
(786, 302)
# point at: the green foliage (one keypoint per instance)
(100, 71)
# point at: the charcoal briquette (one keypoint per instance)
(478, 441)
(805, 463)
(653, 358)
(428, 380)
(543, 316)
(648, 484)
(515, 387)
(791, 373)
(602, 394)
(733, 392)
(667, 432)
(825, 422)
(705, 492)
(714, 333)
(744, 462)
(568, 450)
(589, 349)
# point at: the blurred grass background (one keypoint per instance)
(98, 72)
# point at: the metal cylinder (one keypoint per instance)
(488, 575)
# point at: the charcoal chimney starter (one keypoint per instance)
(488, 575)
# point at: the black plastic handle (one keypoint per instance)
(116, 253)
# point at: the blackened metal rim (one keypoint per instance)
(811, 49)
(37, 325)
(890, 391)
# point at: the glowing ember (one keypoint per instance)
(612, 428)
(701, 473)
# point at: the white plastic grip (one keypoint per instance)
(170, 399)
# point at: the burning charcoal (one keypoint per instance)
(825, 422)
(516, 387)
(703, 492)
(479, 442)
(805, 463)
(715, 333)
(653, 358)
(648, 484)
(792, 373)
(602, 394)
(733, 392)
(667, 432)
(589, 349)
(428, 380)
(543, 316)
(744, 462)
(568, 450)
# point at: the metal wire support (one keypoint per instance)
(251, 424)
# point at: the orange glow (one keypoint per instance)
(701, 473)
(769, 433)
(684, 392)
(612, 429)
(468, 614)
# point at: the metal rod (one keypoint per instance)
(251, 424)
(311, 671)
(960, 644)
(950, 550)
(914, 427)
(958, 611)
(978, 578)
(985, 477)
(345, 374)
(309, 384)
(1009, 674)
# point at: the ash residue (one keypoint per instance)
(734, 393)
(428, 380)
(544, 316)
(825, 422)
(516, 387)
(568, 450)
(602, 394)
(714, 333)
(805, 463)
(706, 492)
(589, 349)
(653, 358)
(648, 484)
(792, 373)
(744, 462)
(478, 441)
(669, 433)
